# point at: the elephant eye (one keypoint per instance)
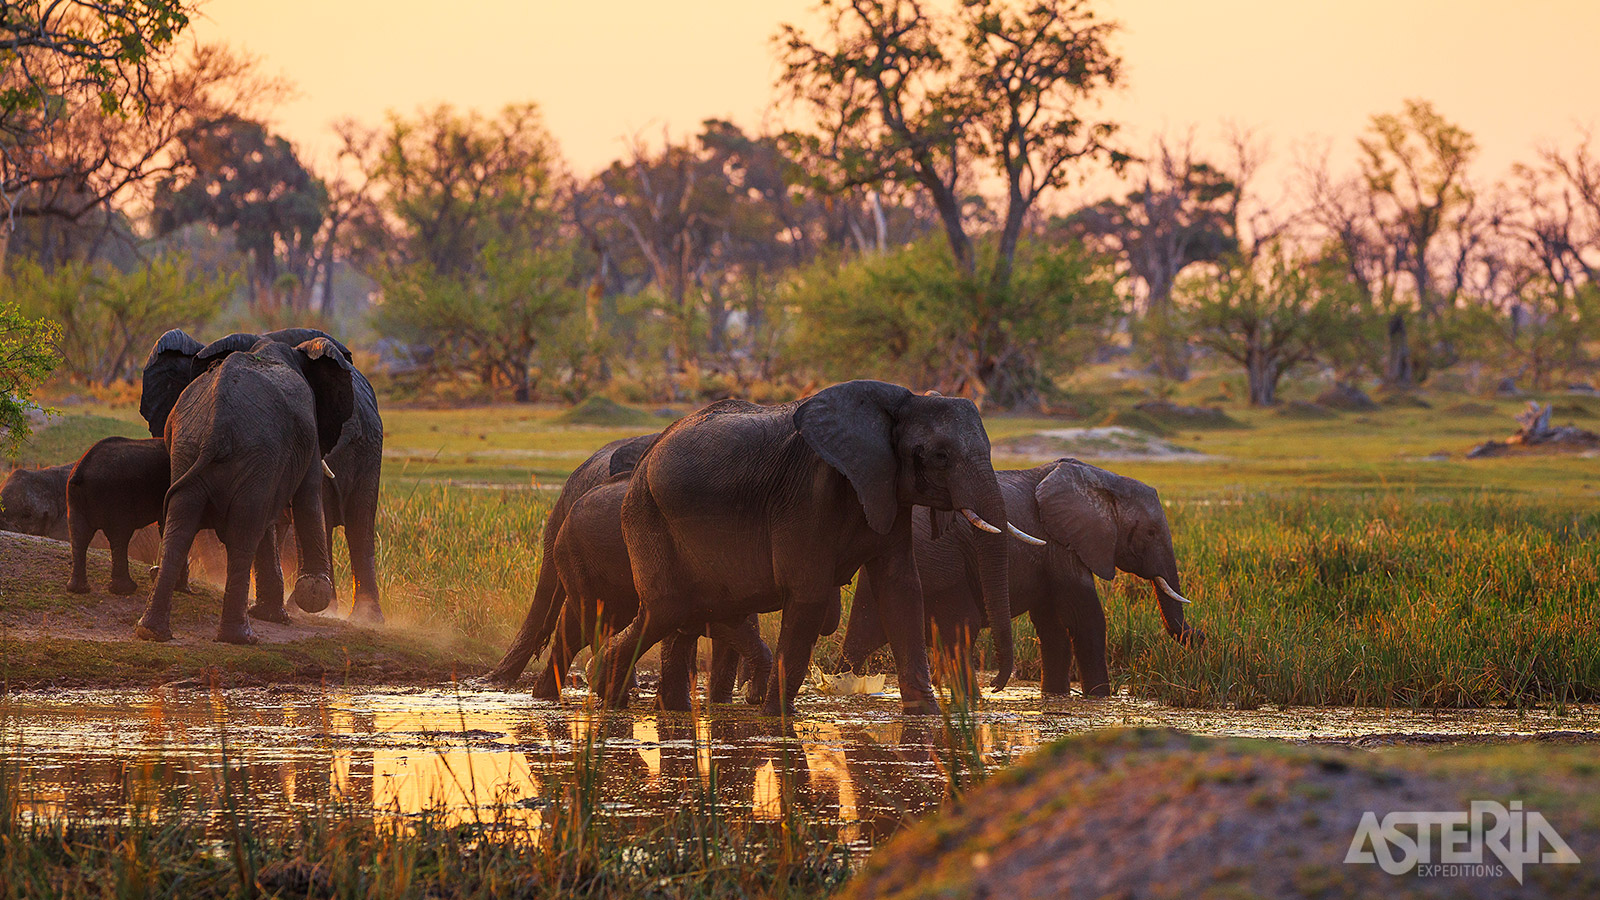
(940, 459)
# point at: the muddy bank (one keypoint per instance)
(1163, 814)
(49, 637)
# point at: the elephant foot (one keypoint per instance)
(927, 706)
(270, 613)
(546, 689)
(78, 587)
(236, 633)
(671, 703)
(313, 593)
(366, 612)
(124, 588)
(1097, 691)
(771, 707)
(184, 587)
(1192, 638)
(145, 633)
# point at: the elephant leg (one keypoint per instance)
(269, 581)
(182, 586)
(241, 543)
(736, 648)
(864, 633)
(1087, 623)
(623, 651)
(679, 658)
(81, 534)
(1055, 650)
(900, 615)
(802, 623)
(361, 534)
(569, 639)
(122, 583)
(182, 515)
(313, 589)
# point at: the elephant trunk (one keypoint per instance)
(993, 574)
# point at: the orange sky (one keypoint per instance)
(1514, 74)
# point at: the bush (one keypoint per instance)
(106, 319)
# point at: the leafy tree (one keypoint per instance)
(237, 176)
(27, 355)
(1269, 314)
(448, 184)
(105, 320)
(494, 325)
(913, 98)
(902, 315)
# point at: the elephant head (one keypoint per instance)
(34, 501)
(177, 359)
(900, 449)
(1112, 522)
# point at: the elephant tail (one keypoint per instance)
(537, 626)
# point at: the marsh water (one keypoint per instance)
(853, 766)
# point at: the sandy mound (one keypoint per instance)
(599, 410)
(51, 637)
(1110, 442)
(1163, 814)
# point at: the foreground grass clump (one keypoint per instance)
(1331, 599)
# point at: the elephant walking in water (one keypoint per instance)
(350, 497)
(740, 509)
(1097, 522)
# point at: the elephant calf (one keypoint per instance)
(34, 501)
(1097, 522)
(119, 486)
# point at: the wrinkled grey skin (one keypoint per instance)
(591, 559)
(350, 498)
(34, 501)
(739, 509)
(245, 439)
(553, 613)
(549, 596)
(118, 486)
(1095, 522)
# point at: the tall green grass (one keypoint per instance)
(1384, 600)
(1308, 598)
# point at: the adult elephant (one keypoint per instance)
(740, 509)
(1097, 522)
(245, 439)
(350, 497)
(593, 553)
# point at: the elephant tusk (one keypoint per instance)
(1167, 589)
(978, 522)
(1023, 536)
(327, 471)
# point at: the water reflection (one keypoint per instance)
(851, 765)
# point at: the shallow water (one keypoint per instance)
(853, 766)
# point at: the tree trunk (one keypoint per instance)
(1399, 372)
(1262, 373)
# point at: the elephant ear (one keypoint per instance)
(332, 381)
(626, 457)
(851, 426)
(167, 371)
(1079, 510)
(294, 337)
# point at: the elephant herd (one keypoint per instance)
(740, 509)
(732, 511)
(251, 433)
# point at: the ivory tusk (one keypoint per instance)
(978, 522)
(325, 470)
(1025, 537)
(1167, 589)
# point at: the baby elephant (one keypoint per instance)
(34, 501)
(118, 487)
